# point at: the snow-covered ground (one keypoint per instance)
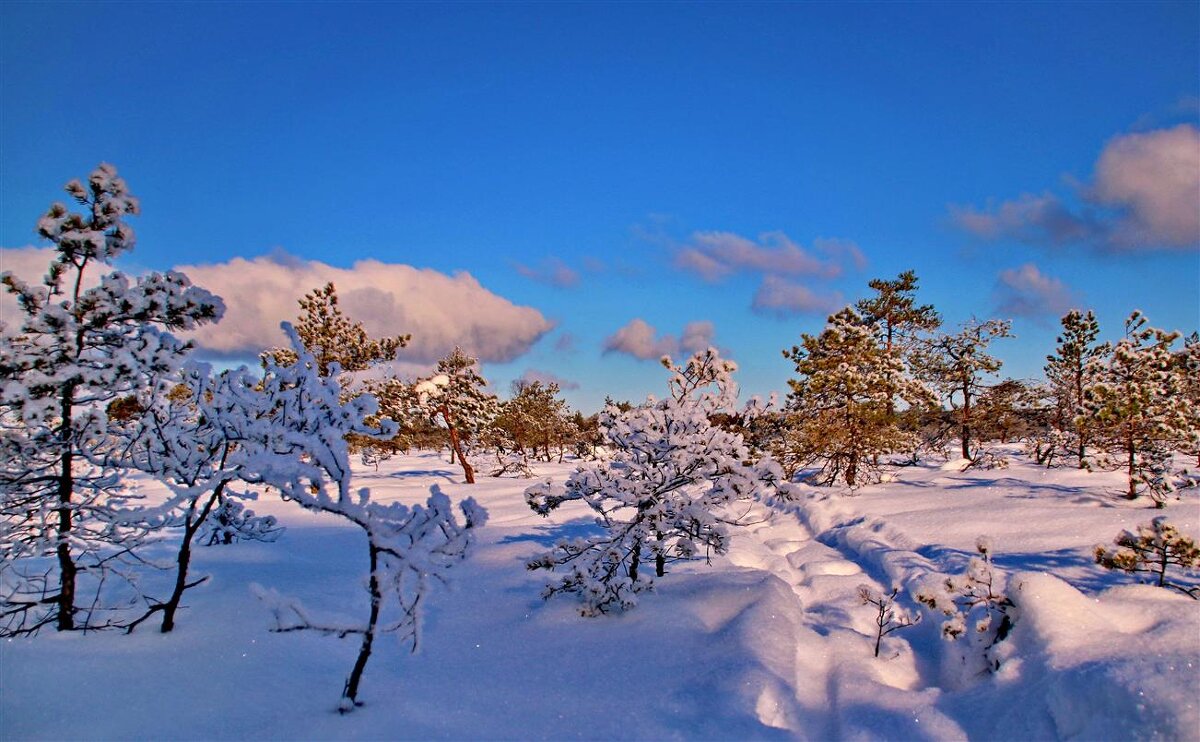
(770, 641)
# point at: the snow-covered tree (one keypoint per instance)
(958, 364)
(667, 493)
(200, 434)
(840, 409)
(1139, 408)
(455, 399)
(333, 337)
(1187, 366)
(74, 351)
(1155, 549)
(1069, 372)
(306, 458)
(889, 617)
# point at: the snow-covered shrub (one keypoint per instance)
(68, 354)
(1155, 548)
(231, 521)
(663, 495)
(888, 617)
(975, 606)
(987, 459)
(307, 459)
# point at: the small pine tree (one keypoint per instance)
(1069, 372)
(957, 363)
(663, 495)
(1139, 408)
(454, 398)
(840, 407)
(888, 618)
(898, 320)
(334, 338)
(1154, 549)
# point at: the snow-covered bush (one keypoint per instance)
(975, 606)
(231, 521)
(888, 617)
(987, 459)
(73, 351)
(1154, 549)
(307, 459)
(663, 495)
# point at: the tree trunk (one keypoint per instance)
(66, 484)
(184, 559)
(635, 561)
(965, 430)
(350, 692)
(456, 447)
(1131, 452)
(660, 559)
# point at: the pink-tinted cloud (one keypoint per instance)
(1145, 194)
(440, 311)
(545, 377)
(717, 255)
(1027, 292)
(783, 298)
(552, 272)
(640, 340)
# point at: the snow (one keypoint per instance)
(770, 641)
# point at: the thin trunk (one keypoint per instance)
(66, 485)
(183, 560)
(350, 692)
(1131, 466)
(660, 559)
(966, 423)
(635, 561)
(456, 447)
(1079, 408)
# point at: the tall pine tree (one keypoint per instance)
(1069, 371)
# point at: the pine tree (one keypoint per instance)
(74, 352)
(1187, 367)
(334, 338)
(664, 495)
(957, 363)
(1139, 407)
(454, 398)
(896, 317)
(840, 407)
(1155, 549)
(1069, 373)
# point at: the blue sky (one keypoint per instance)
(571, 156)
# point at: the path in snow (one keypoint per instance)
(838, 689)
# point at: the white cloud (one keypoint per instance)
(640, 340)
(783, 298)
(1145, 193)
(1027, 292)
(440, 311)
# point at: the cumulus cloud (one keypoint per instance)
(1027, 292)
(640, 340)
(533, 374)
(716, 255)
(440, 311)
(783, 298)
(1145, 193)
(552, 272)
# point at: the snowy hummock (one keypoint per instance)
(770, 641)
